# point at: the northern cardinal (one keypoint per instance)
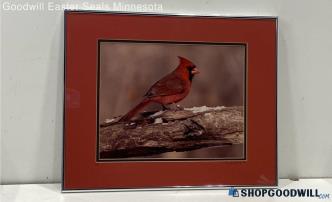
(170, 89)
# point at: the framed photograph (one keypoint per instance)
(169, 101)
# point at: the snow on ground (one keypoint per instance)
(156, 114)
(109, 120)
(158, 120)
(203, 109)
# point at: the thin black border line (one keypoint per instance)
(174, 42)
(276, 96)
(64, 99)
(217, 187)
(187, 15)
(98, 95)
(246, 69)
(168, 188)
(114, 160)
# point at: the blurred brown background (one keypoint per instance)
(127, 70)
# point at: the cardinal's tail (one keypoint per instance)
(134, 111)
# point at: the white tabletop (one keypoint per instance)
(52, 193)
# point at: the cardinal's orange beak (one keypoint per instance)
(195, 71)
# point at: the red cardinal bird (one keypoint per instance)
(170, 89)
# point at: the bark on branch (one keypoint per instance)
(172, 130)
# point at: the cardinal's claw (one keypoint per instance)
(166, 108)
(179, 107)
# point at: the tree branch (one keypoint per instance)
(172, 130)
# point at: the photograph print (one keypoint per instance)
(160, 100)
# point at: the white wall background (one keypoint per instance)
(32, 85)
